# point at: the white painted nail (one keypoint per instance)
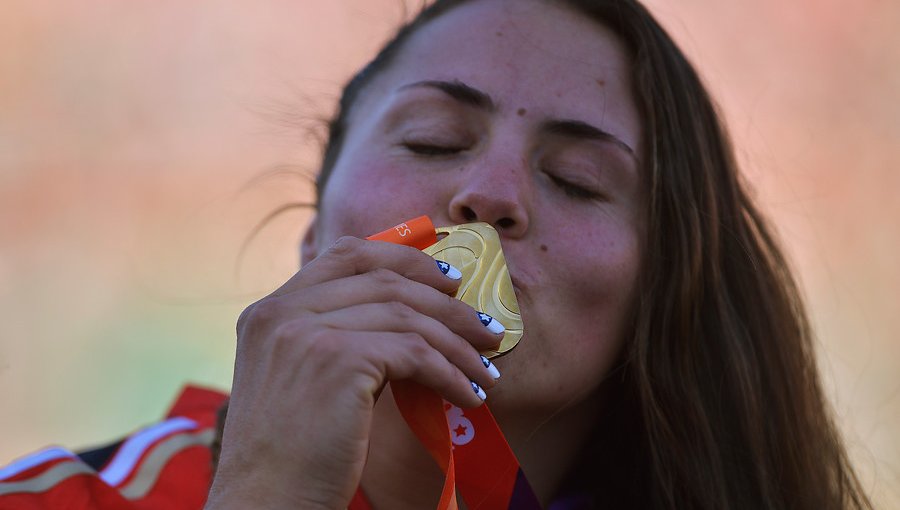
(491, 368)
(491, 323)
(448, 270)
(478, 391)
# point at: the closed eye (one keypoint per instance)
(574, 190)
(430, 149)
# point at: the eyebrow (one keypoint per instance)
(459, 91)
(569, 128)
(584, 131)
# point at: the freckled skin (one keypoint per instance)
(574, 301)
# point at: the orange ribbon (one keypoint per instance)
(467, 445)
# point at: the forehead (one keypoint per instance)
(527, 54)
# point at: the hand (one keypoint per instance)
(312, 358)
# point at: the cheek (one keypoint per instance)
(599, 273)
(600, 265)
(364, 198)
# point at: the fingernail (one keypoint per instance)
(491, 323)
(448, 270)
(478, 391)
(491, 368)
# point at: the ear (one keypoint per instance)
(309, 249)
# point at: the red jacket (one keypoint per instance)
(166, 465)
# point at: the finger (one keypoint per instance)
(414, 359)
(384, 286)
(398, 317)
(336, 363)
(352, 256)
(305, 355)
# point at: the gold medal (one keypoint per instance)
(474, 249)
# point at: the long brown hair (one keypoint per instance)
(718, 403)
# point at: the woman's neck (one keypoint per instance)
(401, 474)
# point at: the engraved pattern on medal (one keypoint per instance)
(475, 250)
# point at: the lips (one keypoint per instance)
(518, 287)
(515, 284)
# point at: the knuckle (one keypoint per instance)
(458, 310)
(245, 317)
(449, 372)
(322, 345)
(261, 312)
(455, 305)
(302, 339)
(254, 342)
(451, 377)
(400, 311)
(290, 330)
(459, 356)
(385, 278)
(345, 246)
(416, 346)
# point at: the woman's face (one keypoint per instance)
(519, 114)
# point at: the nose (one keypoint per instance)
(495, 193)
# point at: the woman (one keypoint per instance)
(667, 360)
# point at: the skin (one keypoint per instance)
(566, 201)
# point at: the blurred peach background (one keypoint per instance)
(140, 142)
